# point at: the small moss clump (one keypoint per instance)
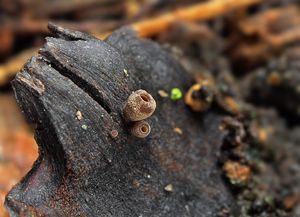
(176, 94)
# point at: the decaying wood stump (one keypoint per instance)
(82, 170)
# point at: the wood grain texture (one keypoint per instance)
(81, 169)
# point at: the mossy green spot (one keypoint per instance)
(176, 94)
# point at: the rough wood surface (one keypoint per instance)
(81, 169)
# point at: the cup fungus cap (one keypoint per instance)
(199, 97)
(140, 129)
(139, 106)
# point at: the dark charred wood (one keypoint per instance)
(82, 170)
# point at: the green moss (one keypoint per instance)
(176, 94)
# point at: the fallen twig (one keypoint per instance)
(29, 26)
(198, 12)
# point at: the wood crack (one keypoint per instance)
(79, 82)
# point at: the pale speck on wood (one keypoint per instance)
(79, 115)
(178, 130)
(187, 208)
(169, 188)
(84, 127)
(163, 94)
(126, 73)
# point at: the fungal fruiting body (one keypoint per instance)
(114, 134)
(139, 106)
(199, 97)
(140, 129)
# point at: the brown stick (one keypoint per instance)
(288, 37)
(149, 27)
(198, 12)
(29, 26)
(286, 18)
(44, 9)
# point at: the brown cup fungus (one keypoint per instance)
(199, 97)
(139, 106)
(140, 129)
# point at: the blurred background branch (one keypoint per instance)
(146, 28)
